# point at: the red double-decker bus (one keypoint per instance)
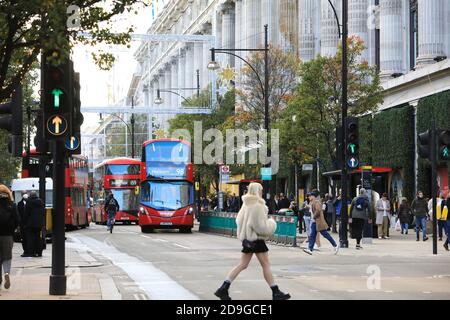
(167, 191)
(76, 209)
(120, 177)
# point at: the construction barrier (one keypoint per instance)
(225, 223)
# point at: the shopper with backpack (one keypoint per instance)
(9, 221)
(359, 214)
(111, 208)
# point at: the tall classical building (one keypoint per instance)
(408, 40)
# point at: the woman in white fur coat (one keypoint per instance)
(253, 228)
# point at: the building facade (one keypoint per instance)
(408, 40)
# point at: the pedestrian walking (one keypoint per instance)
(445, 207)
(383, 208)
(306, 209)
(441, 221)
(34, 222)
(338, 204)
(111, 208)
(359, 215)
(318, 224)
(330, 210)
(21, 209)
(284, 203)
(9, 221)
(419, 208)
(253, 227)
(404, 215)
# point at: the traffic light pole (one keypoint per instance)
(344, 177)
(433, 182)
(58, 277)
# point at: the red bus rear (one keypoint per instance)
(167, 191)
(76, 210)
(121, 177)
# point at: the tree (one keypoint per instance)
(217, 119)
(28, 28)
(309, 122)
(283, 70)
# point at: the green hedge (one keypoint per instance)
(435, 107)
(393, 143)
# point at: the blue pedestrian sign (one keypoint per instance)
(72, 143)
(353, 163)
(266, 174)
(57, 125)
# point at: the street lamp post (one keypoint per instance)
(160, 100)
(130, 131)
(214, 65)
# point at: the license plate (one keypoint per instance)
(125, 218)
(165, 224)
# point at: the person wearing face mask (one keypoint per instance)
(419, 208)
(21, 208)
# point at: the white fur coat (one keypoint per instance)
(252, 220)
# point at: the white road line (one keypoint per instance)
(179, 245)
(161, 240)
(154, 282)
(146, 236)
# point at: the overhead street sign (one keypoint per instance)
(57, 125)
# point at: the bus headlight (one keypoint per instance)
(190, 211)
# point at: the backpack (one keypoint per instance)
(361, 203)
(112, 205)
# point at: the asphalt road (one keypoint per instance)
(171, 265)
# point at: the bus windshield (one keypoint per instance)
(169, 196)
(167, 151)
(127, 199)
(113, 169)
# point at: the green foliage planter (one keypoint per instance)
(435, 107)
(393, 143)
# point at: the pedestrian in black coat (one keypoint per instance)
(34, 222)
(21, 209)
(9, 221)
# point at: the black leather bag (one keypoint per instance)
(251, 245)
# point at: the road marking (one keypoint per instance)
(313, 290)
(146, 237)
(140, 296)
(179, 245)
(153, 281)
(161, 240)
(351, 291)
(389, 291)
(427, 292)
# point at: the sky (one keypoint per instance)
(103, 88)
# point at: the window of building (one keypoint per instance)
(413, 33)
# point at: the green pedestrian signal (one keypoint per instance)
(352, 148)
(56, 93)
(444, 145)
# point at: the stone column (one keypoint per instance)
(189, 65)
(274, 23)
(306, 29)
(198, 63)
(329, 27)
(289, 24)
(228, 31)
(239, 31)
(391, 38)
(431, 31)
(182, 69)
(447, 27)
(254, 30)
(174, 83)
(167, 95)
(357, 23)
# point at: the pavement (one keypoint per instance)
(130, 265)
(89, 277)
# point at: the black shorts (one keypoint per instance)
(260, 247)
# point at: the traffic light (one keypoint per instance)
(40, 143)
(56, 81)
(13, 122)
(444, 145)
(73, 142)
(352, 148)
(425, 145)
